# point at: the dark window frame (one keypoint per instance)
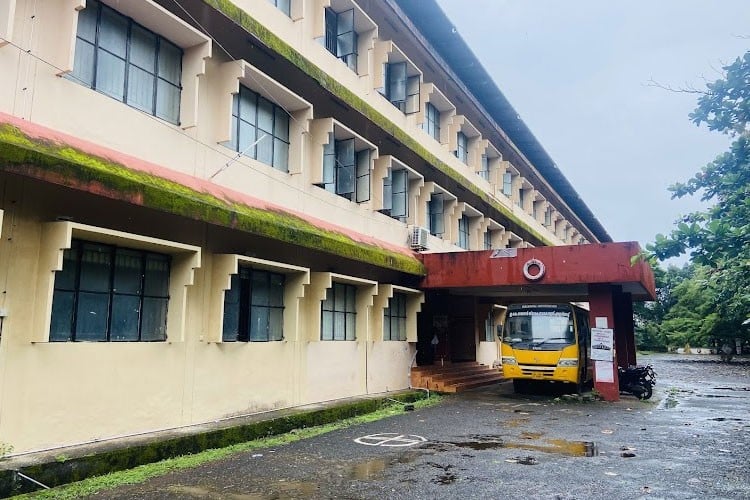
(394, 318)
(432, 121)
(280, 140)
(79, 293)
(396, 194)
(338, 35)
(436, 214)
(284, 6)
(488, 240)
(346, 170)
(402, 90)
(484, 168)
(508, 184)
(339, 294)
(130, 64)
(462, 147)
(463, 232)
(249, 307)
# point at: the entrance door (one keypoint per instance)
(462, 337)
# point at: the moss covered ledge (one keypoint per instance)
(257, 30)
(64, 165)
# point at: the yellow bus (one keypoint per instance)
(546, 342)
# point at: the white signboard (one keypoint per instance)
(604, 371)
(602, 343)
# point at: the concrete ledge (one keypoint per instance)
(96, 459)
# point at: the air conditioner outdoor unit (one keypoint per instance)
(418, 240)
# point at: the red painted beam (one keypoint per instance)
(605, 263)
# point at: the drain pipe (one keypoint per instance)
(31, 479)
(408, 376)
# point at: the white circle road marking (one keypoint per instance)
(390, 439)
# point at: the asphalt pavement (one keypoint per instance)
(691, 440)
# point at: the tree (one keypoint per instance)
(719, 237)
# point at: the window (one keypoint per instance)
(395, 194)
(489, 327)
(108, 293)
(340, 38)
(400, 89)
(484, 169)
(394, 318)
(507, 184)
(534, 210)
(548, 217)
(463, 232)
(435, 215)
(254, 307)
(462, 147)
(432, 121)
(339, 313)
(488, 240)
(521, 196)
(124, 60)
(582, 241)
(260, 129)
(346, 171)
(283, 5)
(565, 233)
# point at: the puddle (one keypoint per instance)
(374, 468)
(726, 419)
(447, 477)
(291, 489)
(515, 422)
(554, 446)
(713, 396)
(531, 435)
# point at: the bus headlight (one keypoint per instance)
(567, 362)
(509, 360)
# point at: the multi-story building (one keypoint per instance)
(213, 208)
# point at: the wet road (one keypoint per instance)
(691, 440)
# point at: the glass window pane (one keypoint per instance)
(167, 101)
(281, 124)
(96, 264)
(143, 48)
(258, 324)
(327, 304)
(339, 326)
(154, 322)
(339, 297)
(113, 32)
(329, 160)
(110, 75)
(231, 323)
(388, 191)
(62, 316)
(350, 327)
(326, 326)
(351, 297)
(280, 155)
(247, 138)
(140, 89)
(248, 107)
(277, 290)
(265, 115)
(92, 316)
(87, 21)
(331, 20)
(66, 278)
(276, 324)
(264, 148)
(125, 318)
(156, 281)
(170, 62)
(260, 289)
(83, 64)
(127, 271)
(397, 82)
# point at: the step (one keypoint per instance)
(474, 385)
(449, 379)
(446, 367)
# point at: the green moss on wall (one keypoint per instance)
(64, 165)
(279, 46)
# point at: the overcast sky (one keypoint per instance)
(578, 73)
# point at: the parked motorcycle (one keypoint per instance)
(637, 380)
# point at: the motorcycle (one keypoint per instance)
(637, 380)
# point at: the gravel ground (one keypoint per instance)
(691, 440)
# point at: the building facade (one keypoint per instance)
(215, 208)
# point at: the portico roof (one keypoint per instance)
(568, 272)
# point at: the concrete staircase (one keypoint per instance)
(454, 377)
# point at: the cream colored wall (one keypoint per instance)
(62, 393)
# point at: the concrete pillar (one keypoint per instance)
(601, 304)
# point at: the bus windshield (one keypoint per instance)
(538, 326)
